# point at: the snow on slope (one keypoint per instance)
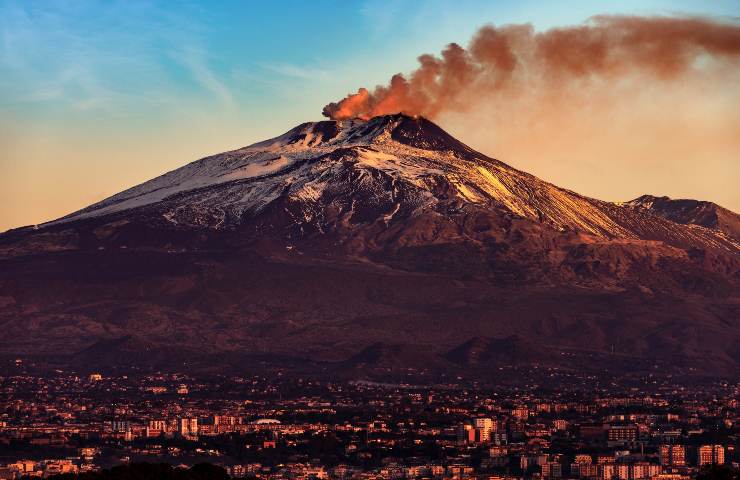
(310, 159)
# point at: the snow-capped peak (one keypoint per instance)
(399, 134)
(394, 163)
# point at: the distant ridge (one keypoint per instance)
(695, 212)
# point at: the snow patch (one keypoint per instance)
(258, 168)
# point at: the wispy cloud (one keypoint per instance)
(298, 71)
(196, 61)
(382, 16)
(51, 54)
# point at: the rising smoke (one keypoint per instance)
(513, 59)
(614, 108)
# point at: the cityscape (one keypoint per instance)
(279, 426)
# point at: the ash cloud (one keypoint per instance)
(514, 59)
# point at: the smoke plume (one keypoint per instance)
(614, 108)
(513, 59)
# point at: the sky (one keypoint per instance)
(96, 97)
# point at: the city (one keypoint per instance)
(278, 426)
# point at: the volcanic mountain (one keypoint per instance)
(376, 245)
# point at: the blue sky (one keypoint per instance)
(97, 96)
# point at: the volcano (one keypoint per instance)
(383, 245)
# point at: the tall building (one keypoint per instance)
(623, 471)
(157, 425)
(711, 455)
(120, 425)
(480, 430)
(642, 470)
(156, 428)
(664, 454)
(465, 433)
(606, 471)
(485, 424)
(672, 455)
(552, 470)
(188, 427)
(483, 429)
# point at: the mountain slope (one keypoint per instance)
(352, 243)
(405, 163)
(692, 212)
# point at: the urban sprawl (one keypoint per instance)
(277, 427)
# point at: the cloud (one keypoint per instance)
(195, 60)
(53, 55)
(298, 71)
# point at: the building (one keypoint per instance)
(606, 471)
(672, 455)
(581, 466)
(465, 433)
(480, 430)
(670, 476)
(711, 455)
(521, 413)
(622, 435)
(560, 425)
(643, 470)
(188, 427)
(552, 470)
(586, 470)
(120, 426)
(528, 462)
(483, 429)
(158, 425)
(484, 424)
(155, 428)
(499, 438)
